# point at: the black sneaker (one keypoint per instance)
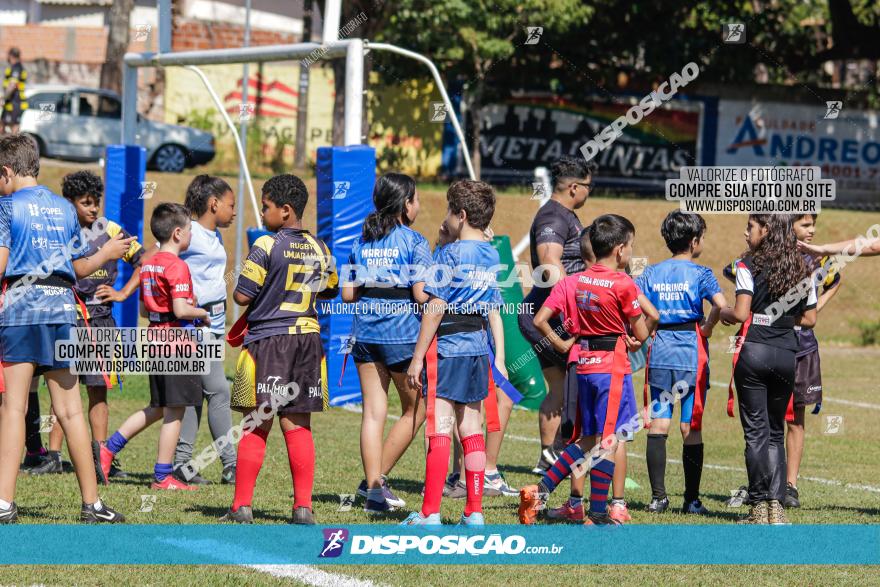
(378, 507)
(52, 464)
(362, 488)
(243, 515)
(694, 507)
(303, 515)
(547, 459)
(89, 514)
(658, 506)
(228, 475)
(791, 499)
(33, 460)
(193, 479)
(600, 520)
(116, 471)
(9, 516)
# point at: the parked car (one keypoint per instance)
(76, 123)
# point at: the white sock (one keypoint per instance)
(5, 505)
(491, 471)
(98, 505)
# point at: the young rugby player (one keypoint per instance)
(601, 302)
(212, 202)
(764, 361)
(35, 225)
(453, 348)
(808, 374)
(84, 190)
(167, 300)
(282, 362)
(679, 355)
(391, 258)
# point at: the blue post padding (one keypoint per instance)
(254, 233)
(124, 173)
(345, 177)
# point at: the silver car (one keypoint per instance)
(76, 123)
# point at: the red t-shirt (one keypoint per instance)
(595, 302)
(164, 277)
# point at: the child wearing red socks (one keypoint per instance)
(281, 365)
(453, 348)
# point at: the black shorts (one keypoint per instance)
(175, 391)
(12, 116)
(97, 380)
(547, 355)
(285, 371)
(808, 380)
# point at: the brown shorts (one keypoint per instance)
(808, 380)
(286, 372)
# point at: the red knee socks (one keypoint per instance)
(436, 466)
(251, 451)
(474, 471)
(301, 454)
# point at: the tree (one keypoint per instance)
(117, 44)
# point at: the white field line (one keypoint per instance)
(311, 575)
(825, 399)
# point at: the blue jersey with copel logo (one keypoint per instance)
(43, 236)
(399, 259)
(677, 289)
(464, 276)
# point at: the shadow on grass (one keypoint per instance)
(215, 512)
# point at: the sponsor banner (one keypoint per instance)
(519, 135)
(844, 144)
(390, 544)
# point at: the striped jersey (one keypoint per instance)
(106, 274)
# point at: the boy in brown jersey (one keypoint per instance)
(282, 362)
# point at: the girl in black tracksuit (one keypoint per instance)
(764, 365)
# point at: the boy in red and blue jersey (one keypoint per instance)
(602, 305)
(453, 345)
(678, 361)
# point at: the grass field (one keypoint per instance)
(840, 473)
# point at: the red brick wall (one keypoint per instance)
(199, 35)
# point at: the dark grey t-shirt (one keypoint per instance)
(554, 223)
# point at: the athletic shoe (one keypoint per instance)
(658, 506)
(32, 460)
(227, 477)
(194, 479)
(389, 496)
(417, 519)
(103, 461)
(593, 519)
(378, 507)
(89, 514)
(170, 482)
(475, 519)
(9, 516)
(52, 464)
(567, 513)
(694, 507)
(454, 487)
(792, 499)
(116, 471)
(303, 516)
(776, 514)
(547, 459)
(495, 485)
(243, 515)
(759, 513)
(617, 510)
(531, 501)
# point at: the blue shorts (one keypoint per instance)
(34, 343)
(394, 356)
(662, 380)
(463, 380)
(593, 403)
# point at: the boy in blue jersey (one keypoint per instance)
(453, 346)
(678, 361)
(41, 245)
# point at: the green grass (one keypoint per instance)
(848, 457)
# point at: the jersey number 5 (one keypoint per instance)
(299, 287)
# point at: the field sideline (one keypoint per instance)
(840, 472)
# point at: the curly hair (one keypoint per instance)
(81, 184)
(777, 255)
(287, 190)
(476, 198)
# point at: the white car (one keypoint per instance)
(76, 123)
